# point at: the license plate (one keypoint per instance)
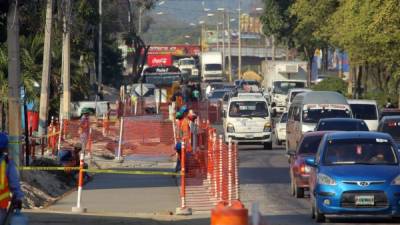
(365, 200)
(249, 136)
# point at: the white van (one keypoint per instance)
(248, 120)
(308, 108)
(292, 93)
(366, 110)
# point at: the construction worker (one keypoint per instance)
(9, 180)
(84, 128)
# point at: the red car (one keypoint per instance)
(299, 171)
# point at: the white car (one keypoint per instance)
(280, 129)
(248, 120)
(366, 110)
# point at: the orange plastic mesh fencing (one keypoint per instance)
(212, 170)
(207, 110)
(146, 135)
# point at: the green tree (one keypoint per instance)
(331, 84)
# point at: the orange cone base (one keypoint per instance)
(223, 214)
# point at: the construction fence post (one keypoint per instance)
(78, 208)
(119, 150)
(220, 170)
(183, 210)
(230, 174)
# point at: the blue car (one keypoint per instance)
(355, 173)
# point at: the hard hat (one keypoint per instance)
(178, 115)
(184, 109)
(3, 140)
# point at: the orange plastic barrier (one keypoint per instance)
(226, 214)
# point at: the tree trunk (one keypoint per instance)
(1, 117)
(359, 79)
(309, 57)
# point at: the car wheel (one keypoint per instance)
(268, 145)
(318, 217)
(299, 192)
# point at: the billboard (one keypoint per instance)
(211, 36)
(159, 60)
(175, 50)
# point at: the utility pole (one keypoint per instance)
(140, 20)
(217, 36)
(229, 50)
(240, 42)
(44, 92)
(223, 40)
(100, 60)
(66, 50)
(14, 82)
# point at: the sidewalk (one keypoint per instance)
(138, 194)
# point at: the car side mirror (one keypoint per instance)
(311, 162)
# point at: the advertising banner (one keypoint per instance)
(159, 60)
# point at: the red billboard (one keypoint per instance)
(159, 60)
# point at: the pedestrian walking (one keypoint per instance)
(9, 181)
(84, 128)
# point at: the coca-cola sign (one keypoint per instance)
(159, 60)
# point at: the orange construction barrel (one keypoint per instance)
(223, 214)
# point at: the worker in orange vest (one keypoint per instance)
(9, 180)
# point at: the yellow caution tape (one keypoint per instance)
(131, 172)
(46, 168)
(126, 172)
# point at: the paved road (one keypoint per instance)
(264, 178)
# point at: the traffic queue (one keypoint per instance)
(342, 153)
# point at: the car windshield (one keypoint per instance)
(309, 145)
(284, 118)
(187, 62)
(248, 109)
(342, 125)
(217, 94)
(314, 115)
(373, 151)
(213, 67)
(392, 127)
(283, 87)
(364, 111)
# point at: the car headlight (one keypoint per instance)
(230, 128)
(396, 180)
(325, 179)
(267, 127)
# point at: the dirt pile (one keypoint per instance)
(41, 188)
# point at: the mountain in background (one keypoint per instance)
(173, 24)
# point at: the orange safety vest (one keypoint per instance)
(185, 128)
(4, 189)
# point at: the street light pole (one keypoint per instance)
(229, 50)
(223, 41)
(240, 43)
